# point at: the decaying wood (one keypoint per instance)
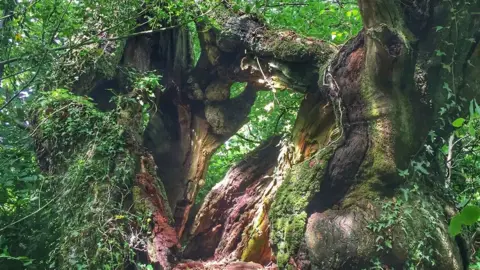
(200, 105)
(232, 224)
(357, 124)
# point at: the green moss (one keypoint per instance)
(414, 223)
(283, 49)
(378, 170)
(257, 239)
(405, 124)
(389, 107)
(290, 46)
(140, 206)
(93, 169)
(390, 134)
(254, 247)
(288, 214)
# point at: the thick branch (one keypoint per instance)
(245, 32)
(227, 117)
(242, 48)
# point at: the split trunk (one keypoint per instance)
(367, 111)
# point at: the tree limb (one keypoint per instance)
(246, 139)
(449, 161)
(89, 42)
(23, 88)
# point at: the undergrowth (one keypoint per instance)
(89, 157)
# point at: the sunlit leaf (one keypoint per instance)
(458, 122)
(470, 214)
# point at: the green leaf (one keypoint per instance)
(477, 108)
(439, 53)
(472, 131)
(445, 149)
(403, 173)
(446, 86)
(405, 193)
(388, 243)
(29, 178)
(458, 122)
(447, 67)
(470, 214)
(455, 226)
(448, 43)
(470, 108)
(418, 167)
(432, 135)
(438, 28)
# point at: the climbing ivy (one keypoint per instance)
(89, 157)
(91, 169)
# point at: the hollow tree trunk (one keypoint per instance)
(359, 122)
(376, 87)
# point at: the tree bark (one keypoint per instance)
(367, 110)
(233, 221)
(375, 79)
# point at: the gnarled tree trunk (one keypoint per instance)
(367, 109)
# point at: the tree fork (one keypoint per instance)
(356, 126)
(214, 114)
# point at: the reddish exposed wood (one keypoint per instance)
(194, 166)
(197, 265)
(240, 227)
(182, 152)
(234, 215)
(164, 240)
(313, 125)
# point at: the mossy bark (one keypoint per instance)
(104, 184)
(289, 212)
(374, 78)
(360, 122)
